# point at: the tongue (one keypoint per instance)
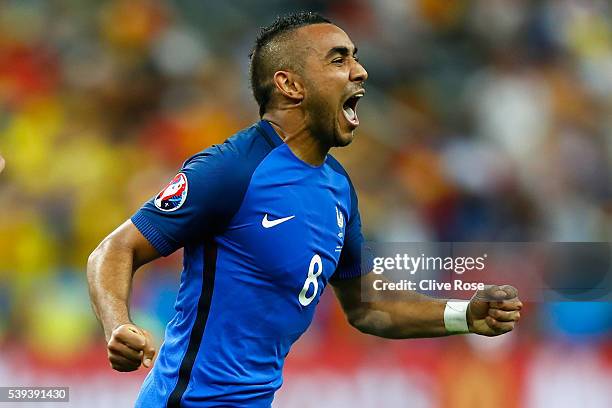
(350, 113)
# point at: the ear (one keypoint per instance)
(289, 84)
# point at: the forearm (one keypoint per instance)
(414, 315)
(492, 311)
(109, 274)
(397, 315)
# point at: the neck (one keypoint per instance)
(295, 132)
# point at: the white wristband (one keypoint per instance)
(455, 316)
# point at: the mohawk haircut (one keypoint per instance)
(270, 55)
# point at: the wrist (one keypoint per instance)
(456, 316)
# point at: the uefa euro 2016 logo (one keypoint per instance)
(172, 197)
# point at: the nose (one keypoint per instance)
(358, 73)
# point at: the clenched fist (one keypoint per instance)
(129, 347)
(494, 310)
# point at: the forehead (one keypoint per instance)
(321, 38)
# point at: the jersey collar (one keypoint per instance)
(269, 133)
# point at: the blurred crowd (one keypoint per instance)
(484, 120)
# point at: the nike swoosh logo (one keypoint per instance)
(266, 223)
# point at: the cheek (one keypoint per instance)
(328, 88)
(323, 102)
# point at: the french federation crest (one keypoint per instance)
(339, 218)
(173, 196)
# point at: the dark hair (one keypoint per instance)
(267, 57)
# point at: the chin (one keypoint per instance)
(344, 139)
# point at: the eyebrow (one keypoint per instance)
(342, 50)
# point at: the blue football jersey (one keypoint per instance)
(263, 233)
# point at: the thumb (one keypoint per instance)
(479, 304)
(481, 301)
(492, 293)
(148, 350)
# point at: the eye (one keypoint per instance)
(338, 60)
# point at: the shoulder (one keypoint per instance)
(354, 205)
(335, 165)
(234, 159)
(219, 176)
(338, 168)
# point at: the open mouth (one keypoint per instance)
(350, 108)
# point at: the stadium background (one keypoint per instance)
(485, 120)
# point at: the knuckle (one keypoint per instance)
(494, 324)
(123, 331)
(119, 355)
(118, 335)
(510, 306)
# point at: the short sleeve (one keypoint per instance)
(196, 203)
(350, 265)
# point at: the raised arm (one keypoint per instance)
(110, 269)
(490, 312)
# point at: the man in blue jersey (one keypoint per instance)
(266, 220)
